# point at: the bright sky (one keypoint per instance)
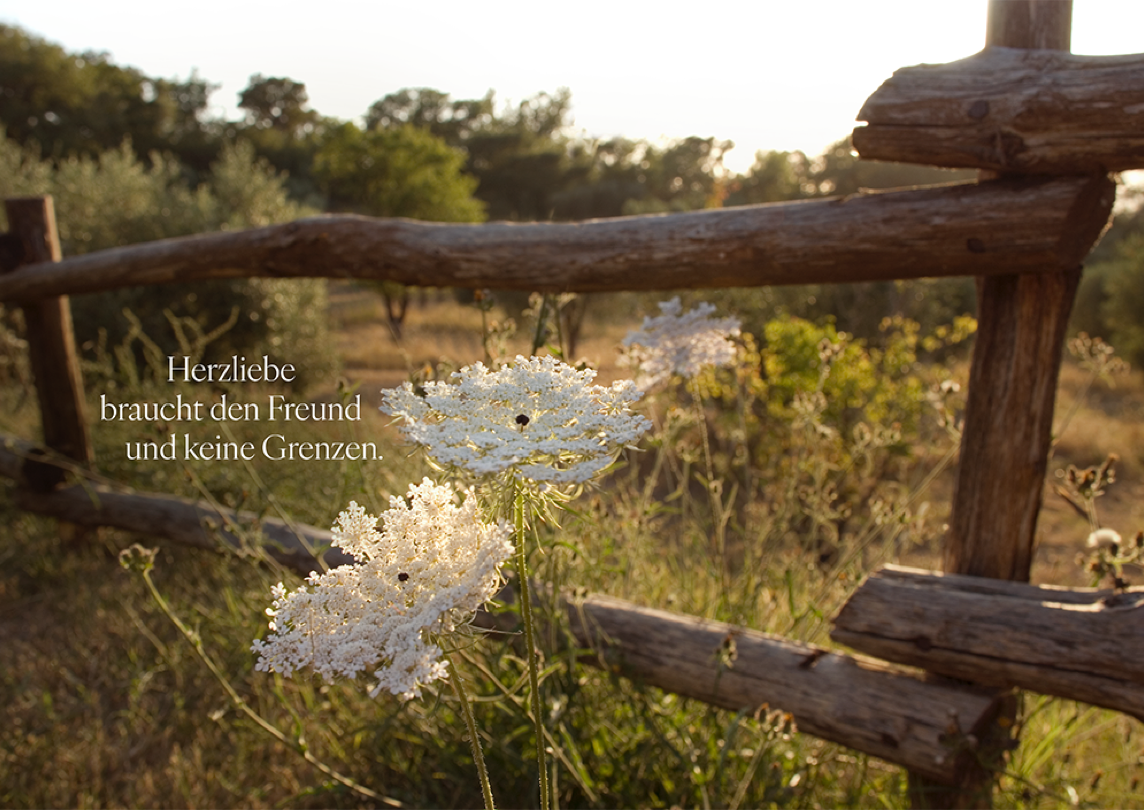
(767, 74)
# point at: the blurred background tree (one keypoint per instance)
(151, 146)
(115, 199)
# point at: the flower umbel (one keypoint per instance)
(431, 566)
(680, 343)
(538, 419)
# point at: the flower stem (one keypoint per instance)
(530, 640)
(294, 745)
(714, 489)
(471, 725)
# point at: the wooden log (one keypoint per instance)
(1005, 441)
(193, 523)
(1022, 225)
(1008, 423)
(51, 341)
(862, 704)
(1073, 643)
(1011, 110)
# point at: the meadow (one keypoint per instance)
(763, 494)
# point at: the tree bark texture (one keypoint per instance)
(1008, 424)
(1021, 320)
(1025, 225)
(1076, 644)
(51, 341)
(1011, 110)
(862, 704)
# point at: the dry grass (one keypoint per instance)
(1109, 418)
(102, 704)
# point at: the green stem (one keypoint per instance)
(530, 640)
(541, 320)
(294, 745)
(714, 492)
(471, 725)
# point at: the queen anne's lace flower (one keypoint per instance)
(539, 419)
(680, 343)
(430, 567)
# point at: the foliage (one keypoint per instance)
(399, 172)
(283, 129)
(115, 199)
(1110, 303)
(857, 309)
(278, 103)
(453, 121)
(83, 105)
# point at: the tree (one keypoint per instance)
(774, 177)
(839, 171)
(1119, 298)
(187, 131)
(278, 103)
(453, 121)
(115, 199)
(398, 172)
(283, 129)
(686, 175)
(82, 104)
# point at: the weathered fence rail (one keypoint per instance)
(860, 703)
(1011, 110)
(94, 502)
(1025, 225)
(1077, 644)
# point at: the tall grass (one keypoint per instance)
(826, 460)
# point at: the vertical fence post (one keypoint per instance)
(1009, 413)
(51, 341)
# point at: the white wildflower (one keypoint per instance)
(1104, 539)
(538, 419)
(431, 566)
(680, 343)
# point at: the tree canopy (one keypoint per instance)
(404, 171)
(416, 152)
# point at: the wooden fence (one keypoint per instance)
(1045, 128)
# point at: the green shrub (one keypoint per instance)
(115, 200)
(1123, 281)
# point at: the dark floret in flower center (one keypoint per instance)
(402, 577)
(522, 420)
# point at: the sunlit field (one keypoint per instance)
(762, 495)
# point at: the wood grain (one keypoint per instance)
(862, 704)
(1011, 110)
(48, 325)
(1005, 441)
(1072, 643)
(1021, 225)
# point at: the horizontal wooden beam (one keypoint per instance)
(1012, 226)
(1011, 110)
(1073, 643)
(862, 704)
(193, 523)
